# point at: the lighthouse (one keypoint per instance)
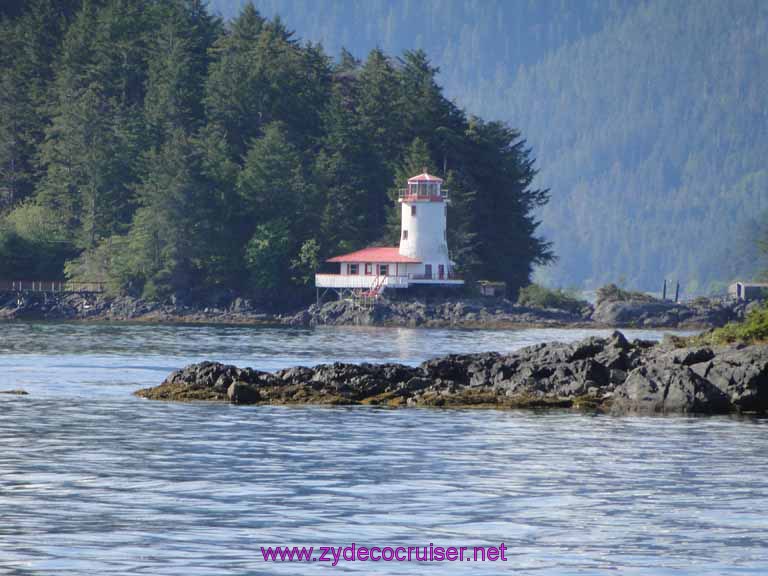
(423, 234)
(422, 257)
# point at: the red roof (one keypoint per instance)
(378, 254)
(424, 177)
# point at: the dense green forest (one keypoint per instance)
(152, 146)
(653, 135)
(648, 118)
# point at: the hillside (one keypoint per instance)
(151, 146)
(648, 119)
(653, 137)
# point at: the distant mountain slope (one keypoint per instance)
(653, 136)
(474, 42)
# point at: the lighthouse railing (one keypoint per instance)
(406, 194)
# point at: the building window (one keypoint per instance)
(405, 234)
(383, 269)
(427, 271)
(368, 269)
(353, 269)
(413, 210)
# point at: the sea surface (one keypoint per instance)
(94, 481)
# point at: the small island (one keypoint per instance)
(724, 370)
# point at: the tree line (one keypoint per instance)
(152, 146)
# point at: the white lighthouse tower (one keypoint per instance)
(423, 234)
(421, 259)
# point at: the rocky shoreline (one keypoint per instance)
(459, 313)
(98, 308)
(499, 313)
(609, 375)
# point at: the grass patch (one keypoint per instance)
(536, 296)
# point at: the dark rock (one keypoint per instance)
(596, 373)
(618, 341)
(690, 356)
(741, 373)
(241, 393)
(663, 386)
(17, 392)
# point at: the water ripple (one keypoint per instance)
(94, 481)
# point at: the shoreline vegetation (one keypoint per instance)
(608, 375)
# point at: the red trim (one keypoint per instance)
(383, 254)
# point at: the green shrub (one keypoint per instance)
(753, 329)
(536, 296)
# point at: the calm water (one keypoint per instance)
(95, 481)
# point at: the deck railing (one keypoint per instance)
(368, 282)
(51, 286)
(449, 276)
(359, 281)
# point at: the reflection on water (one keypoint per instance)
(95, 481)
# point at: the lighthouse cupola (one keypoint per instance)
(423, 225)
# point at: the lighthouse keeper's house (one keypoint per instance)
(422, 257)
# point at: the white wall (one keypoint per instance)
(426, 235)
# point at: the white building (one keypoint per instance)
(745, 291)
(422, 257)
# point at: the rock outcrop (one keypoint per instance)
(468, 313)
(607, 374)
(658, 313)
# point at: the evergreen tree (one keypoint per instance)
(271, 184)
(170, 242)
(26, 72)
(378, 108)
(417, 159)
(178, 68)
(346, 172)
(232, 91)
(277, 206)
(89, 160)
(504, 224)
(426, 112)
(261, 75)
